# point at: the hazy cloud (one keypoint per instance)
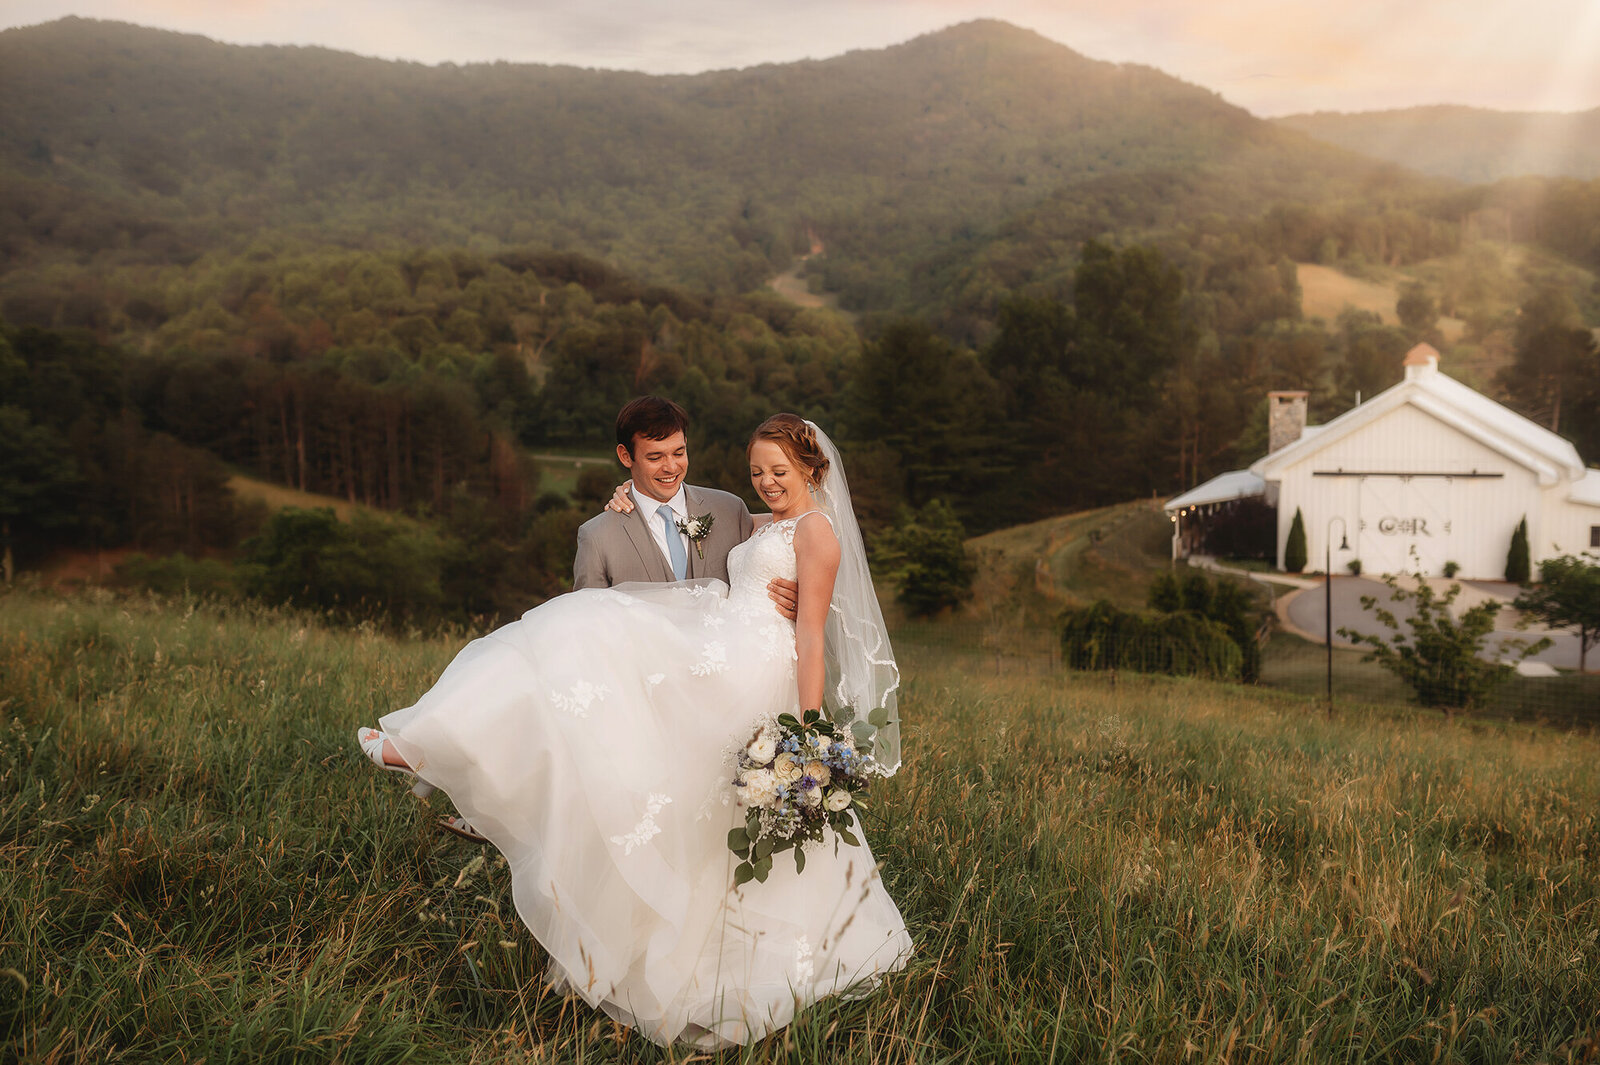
(1271, 56)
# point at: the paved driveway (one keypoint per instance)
(1304, 608)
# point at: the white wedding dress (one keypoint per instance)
(590, 742)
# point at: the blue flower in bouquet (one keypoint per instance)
(797, 778)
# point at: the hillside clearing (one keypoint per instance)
(1325, 292)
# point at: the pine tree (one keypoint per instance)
(1518, 566)
(1294, 552)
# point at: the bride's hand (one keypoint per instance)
(621, 500)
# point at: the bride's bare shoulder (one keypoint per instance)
(815, 537)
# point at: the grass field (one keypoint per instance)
(559, 473)
(1108, 553)
(277, 497)
(195, 865)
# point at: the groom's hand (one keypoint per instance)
(786, 594)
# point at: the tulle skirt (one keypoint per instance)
(591, 742)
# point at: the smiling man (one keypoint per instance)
(651, 543)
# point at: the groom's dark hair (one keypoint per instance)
(651, 417)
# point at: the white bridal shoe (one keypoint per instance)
(460, 826)
(371, 742)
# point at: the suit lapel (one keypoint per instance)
(644, 541)
(692, 504)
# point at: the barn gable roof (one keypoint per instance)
(1551, 457)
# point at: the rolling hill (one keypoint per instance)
(1468, 144)
(123, 145)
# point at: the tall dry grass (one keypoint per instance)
(194, 865)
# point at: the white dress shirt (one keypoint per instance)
(649, 507)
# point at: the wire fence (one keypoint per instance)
(1288, 664)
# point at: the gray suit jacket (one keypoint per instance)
(617, 548)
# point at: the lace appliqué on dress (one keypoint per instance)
(713, 659)
(583, 694)
(804, 973)
(646, 829)
(778, 642)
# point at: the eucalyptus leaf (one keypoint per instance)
(879, 718)
(849, 837)
(743, 874)
(799, 859)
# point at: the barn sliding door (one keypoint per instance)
(1399, 515)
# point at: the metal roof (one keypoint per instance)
(1223, 488)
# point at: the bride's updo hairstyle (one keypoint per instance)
(799, 442)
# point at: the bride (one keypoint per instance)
(592, 742)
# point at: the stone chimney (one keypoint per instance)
(1286, 418)
(1420, 361)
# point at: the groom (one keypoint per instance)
(651, 543)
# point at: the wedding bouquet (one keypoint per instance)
(797, 777)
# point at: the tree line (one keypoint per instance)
(420, 383)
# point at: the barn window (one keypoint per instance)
(1594, 536)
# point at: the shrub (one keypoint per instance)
(1103, 637)
(1225, 602)
(1518, 566)
(925, 555)
(1164, 594)
(367, 568)
(176, 575)
(1568, 596)
(1451, 569)
(1354, 566)
(1441, 660)
(1294, 552)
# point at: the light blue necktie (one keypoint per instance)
(680, 557)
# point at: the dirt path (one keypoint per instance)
(791, 285)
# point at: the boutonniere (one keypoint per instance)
(696, 529)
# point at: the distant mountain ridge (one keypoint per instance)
(139, 145)
(1468, 144)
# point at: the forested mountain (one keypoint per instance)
(127, 144)
(1470, 144)
(390, 283)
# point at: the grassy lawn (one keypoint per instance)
(1301, 666)
(1108, 553)
(195, 865)
(559, 473)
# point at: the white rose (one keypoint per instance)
(819, 772)
(823, 743)
(787, 769)
(759, 788)
(838, 800)
(761, 750)
(812, 796)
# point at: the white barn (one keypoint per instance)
(1429, 467)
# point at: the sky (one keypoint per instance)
(1272, 57)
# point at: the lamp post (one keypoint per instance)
(1327, 592)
